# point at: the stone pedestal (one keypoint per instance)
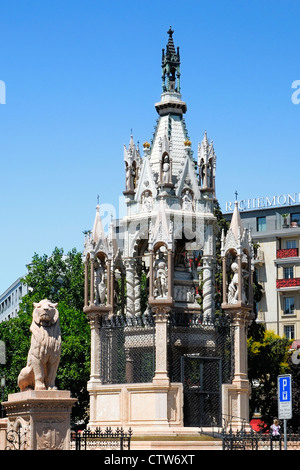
(236, 394)
(41, 417)
(143, 407)
(3, 428)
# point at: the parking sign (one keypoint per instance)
(284, 388)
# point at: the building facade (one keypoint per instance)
(275, 231)
(10, 300)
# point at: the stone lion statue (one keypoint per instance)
(44, 353)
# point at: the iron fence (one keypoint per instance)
(251, 440)
(101, 440)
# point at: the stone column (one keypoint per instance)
(95, 375)
(170, 273)
(137, 293)
(112, 288)
(129, 366)
(236, 407)
(208, 288)
(123, 293)
(161, 314)
(129, 265)
(86, 283)
(109, 287)
(92, 286)
(240, 277)
(224, 280)
(151, 261)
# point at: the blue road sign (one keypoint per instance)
(285, 388)
(284, 396)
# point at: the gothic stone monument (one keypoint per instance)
(40, 413)
(160, 357)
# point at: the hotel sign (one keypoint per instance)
(264, 202)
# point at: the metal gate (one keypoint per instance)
(202, 379)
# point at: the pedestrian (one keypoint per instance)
(275, 429)
(275, 433)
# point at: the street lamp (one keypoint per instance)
(2, 385)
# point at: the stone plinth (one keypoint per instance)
(3, 428)
(143, 407)
(42, 417)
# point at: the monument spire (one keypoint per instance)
(171, 66)
(171, 97)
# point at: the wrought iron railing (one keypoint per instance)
(252, 440)
(98, 439)
(16, 439)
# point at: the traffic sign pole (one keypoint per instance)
(284, 389)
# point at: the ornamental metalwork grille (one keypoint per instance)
(17, 439)
(101, 439)
(127, 349)
(200, 356)
(243, 440)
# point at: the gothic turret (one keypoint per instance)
(207, 165)
(132, 159)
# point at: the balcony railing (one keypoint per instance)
(292, 282)
(287, 253)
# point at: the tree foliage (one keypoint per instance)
(59, 278)
(267, 358)
(295, 372)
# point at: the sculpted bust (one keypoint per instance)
(44, 353)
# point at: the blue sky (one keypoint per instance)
(79, 75)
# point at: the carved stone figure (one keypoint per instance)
(233, 288)
(191, 295)
(161, 277)
(100, 287)
(44, 353)
(166, 168)
(147, 201)
(102, 291)
(187, 201)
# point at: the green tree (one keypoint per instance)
(295, 372)
(60, 278)
(267, 358)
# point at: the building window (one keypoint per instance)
(288, 305)
(291, 244)
(288, 273)
(289, 331)
(261, 224)
(295, 219)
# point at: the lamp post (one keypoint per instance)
(2, 385)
